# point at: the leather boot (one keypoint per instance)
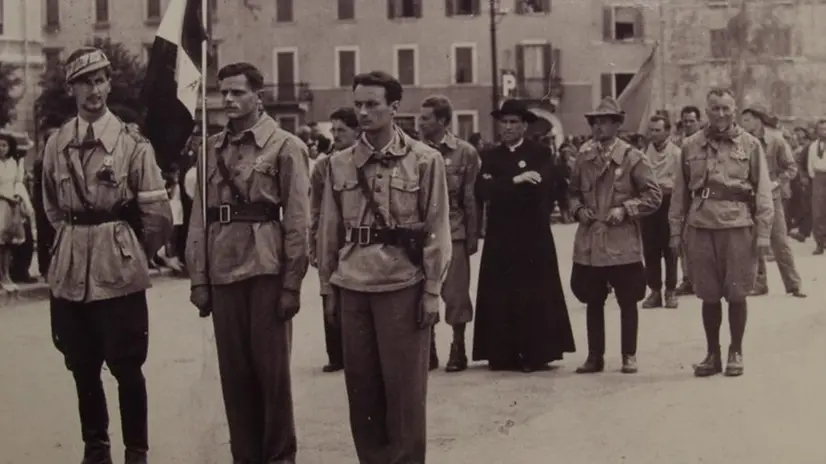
(457, 361)
(629, 364)
(135, 457)
(97, 454)
(685, 288)
(654, 300)
(709, 366)
(592, 365)
(434, 357)
(734, 365)
(671, 301)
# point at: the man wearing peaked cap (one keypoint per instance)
(98, 308)
(612, 187)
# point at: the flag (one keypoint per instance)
(636, 98)
(170, 91)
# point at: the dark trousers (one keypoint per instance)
(114, 331)
(386, 358)
(254, 362)
(45, 236)
(804, 210)
(22, 255)
(590, 285)
(332, 339)
(655, 236)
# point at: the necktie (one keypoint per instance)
(88, 144)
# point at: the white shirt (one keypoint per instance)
(98, 126)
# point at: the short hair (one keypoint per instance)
(442, 108)
(665, 121)
(254, 77)
(392, 87)
(475, 138)
(347, 116)
(691, 109)
(12, 143)
(719, 92)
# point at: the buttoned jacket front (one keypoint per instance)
(462, 167)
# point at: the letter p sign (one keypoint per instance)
(508, 85)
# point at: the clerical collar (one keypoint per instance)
(512, 148)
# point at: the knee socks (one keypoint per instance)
(712, 320)
(737, 325)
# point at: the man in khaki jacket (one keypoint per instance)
(612, 187)
(247, 263)
(104, 195)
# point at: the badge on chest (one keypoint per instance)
(522, 164)
(106, 173)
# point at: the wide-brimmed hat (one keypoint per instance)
(607, 107)
(91, 60)
(763, 114)
(514, 108)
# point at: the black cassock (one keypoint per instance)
(521, 316)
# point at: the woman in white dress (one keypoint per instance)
(12, 208)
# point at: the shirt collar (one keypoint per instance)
(261, 131)
(396, 148)
(107, 130)
(449, 140)
(512, 148)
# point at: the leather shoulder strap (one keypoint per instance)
(76, 182)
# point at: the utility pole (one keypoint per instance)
(494, 64)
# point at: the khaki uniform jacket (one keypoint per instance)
(780, 160)
(267, 165)
(411, 190)
(105, 261)
(316, 196)
(623, 178)
(462, 166)
(739, 165)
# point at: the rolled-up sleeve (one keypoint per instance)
(437, 249)
(294, 181)
(152, 198)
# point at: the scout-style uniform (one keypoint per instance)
(782, 169)
(462, 166)
(610, 174)
(722, 197)
(380, 283)
(104, 194)
(253, 244)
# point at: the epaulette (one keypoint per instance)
(134, 132)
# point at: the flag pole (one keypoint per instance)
(203, 155)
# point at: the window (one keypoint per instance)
(781, 98)
(52, 57)
(534, 69)
(463, 7)
(719, 43)
(346, 65)
(101, 11)
(464, 63)
(533, 6)
(404, 9)
(284, 11)
(406, 123)
(289, 123)
(153, 9)
(52, 13)
(612, 85)
(465, 123)
(285, 61)
(406, 64)
(622, 23)
(346, 9)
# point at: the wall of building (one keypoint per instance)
(21, 45)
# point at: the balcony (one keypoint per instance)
(287, 95)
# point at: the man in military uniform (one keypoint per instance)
(247, 263)
(104, 195)
(384, 250)
(462, 166)
(722, 207)
(782, 169)
(612, 187)
(345, 133)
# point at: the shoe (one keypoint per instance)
(671, 301)
(654, 300)
(529, 368)
(135, 457)
(592, 365)
(332, 367)
(685, 288)
(709, 366)
(818, 250)
(734, 365)
(797, 294)
(759, 291)
(797, 236)
(97, 454)
(457, 361)
(629, 364)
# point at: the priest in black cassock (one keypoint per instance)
(522, 320)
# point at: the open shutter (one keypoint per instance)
(639, 22)
(477, 7)
(547, 67)
(448, 8)
(606, 82)
(418, 8)
(520, 68)
(391, 9)
(607, 23)
(557, 63)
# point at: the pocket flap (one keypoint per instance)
(404, 185)
(344, 185)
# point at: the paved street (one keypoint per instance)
(663, 415)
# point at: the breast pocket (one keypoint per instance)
(737, 165)
(263, 175)
(111, 190)
(349, 199)
(404, 200)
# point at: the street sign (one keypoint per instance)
(508, 84)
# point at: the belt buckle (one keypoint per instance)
(705, 193)
(363, 236)
(225, 214)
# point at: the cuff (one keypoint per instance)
(197, 279)
(326, 289)
(292, 282)
(433, 287)
(632, 208)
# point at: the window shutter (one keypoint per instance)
(557, 60)
(607, 24)
(391, 9)
(520, 68)
(547, 66)
(519, 7)
(606, 82)
(477, 7)
(418, 8)
(639, 23)
(448, 8)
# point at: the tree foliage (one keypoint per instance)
(55, 106)
(10, 81)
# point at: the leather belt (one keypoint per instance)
(722, 194)
(92, 218)
(244, 212)
(364, 236)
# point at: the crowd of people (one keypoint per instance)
(390, 220)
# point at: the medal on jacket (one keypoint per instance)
(617, 172)
(448, 161)
(521, 164)
(106, 174)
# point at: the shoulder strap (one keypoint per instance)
(227, 179)
(76, 182)
(372, 205)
